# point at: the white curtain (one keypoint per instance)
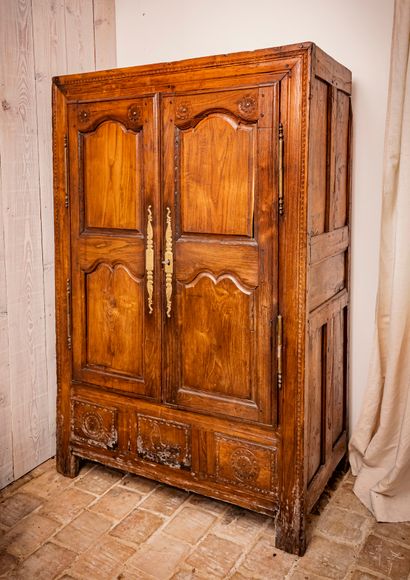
(380, 444)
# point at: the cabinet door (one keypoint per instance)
(115, 259)
(220, 224)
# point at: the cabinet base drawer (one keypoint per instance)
(136, 437)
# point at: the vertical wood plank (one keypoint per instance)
(340, 201)
(6, 441)
(23, 251)
(339, 378)
(49, 60)
(39, 38)
(327, 411)
(332, 160)
(104, 32)
(79, 23)
(314, 402)
(318, 171)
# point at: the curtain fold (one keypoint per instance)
(380, 444)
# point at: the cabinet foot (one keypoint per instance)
(68, 464)
(344, 464)
(290, 535)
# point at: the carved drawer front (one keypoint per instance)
(165, 442)
(246, 465)
(94, 425)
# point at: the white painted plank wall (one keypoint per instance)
(6, 443)
(79, 21)
(22, 235)
(50, 59)
(105, 41)
(38, 39)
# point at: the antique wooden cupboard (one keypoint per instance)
(202, 274)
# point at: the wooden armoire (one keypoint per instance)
(202, 275)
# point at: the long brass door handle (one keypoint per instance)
(149, 261)
(168, 262)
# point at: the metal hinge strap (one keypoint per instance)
(67, 193)
(279, 348)
(68, 296)
(281, 200)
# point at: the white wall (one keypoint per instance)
(38, 39)
(355, 32)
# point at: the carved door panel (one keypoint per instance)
(115, 294)
(221, 239)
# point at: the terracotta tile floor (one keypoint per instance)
(108, 525)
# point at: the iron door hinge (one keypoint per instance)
(279, 349)
(281, 199)
(67, 192)
(68, 297)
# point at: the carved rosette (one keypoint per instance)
(83, 115)
(244, 465)
(134, 113)
(247, 105)
(183, 111)
(94, 425)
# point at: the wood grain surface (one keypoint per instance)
(23, 241)
(198, 389)
(112, 162)
(104, 34)
(37, 40)
(49, 59)
(6, 439)
(220, 199)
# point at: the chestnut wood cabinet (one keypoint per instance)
(202, 275)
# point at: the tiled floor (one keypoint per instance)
(107, 525)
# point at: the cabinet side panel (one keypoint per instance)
(328, 277)
(314, 405)
(318, 168)
(339, 373)
(340, 202)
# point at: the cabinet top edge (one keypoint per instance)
(186, 65)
